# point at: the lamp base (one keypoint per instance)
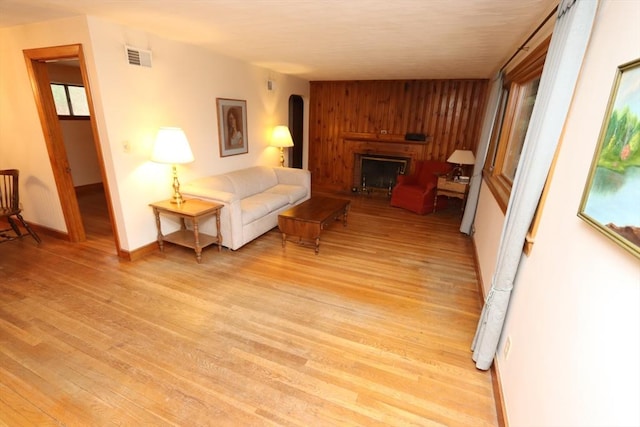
(457, 171)
(281, 157)
(177, 197)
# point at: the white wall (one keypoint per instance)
(574, 317)
(131, 104)
(180, 89)
(488, 229)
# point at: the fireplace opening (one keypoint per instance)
(378, 172)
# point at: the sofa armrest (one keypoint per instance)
(292, 176)
(230, 215)
(431, 186)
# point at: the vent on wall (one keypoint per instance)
(138, 57)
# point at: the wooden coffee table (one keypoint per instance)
(309, 218)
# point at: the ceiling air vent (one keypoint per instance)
(138, 57)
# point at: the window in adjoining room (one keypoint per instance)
(70, 100)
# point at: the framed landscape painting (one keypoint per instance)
(611, 199)
(232, 123)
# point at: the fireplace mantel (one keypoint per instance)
(381, 137)
(380, 147)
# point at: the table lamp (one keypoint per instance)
(171, 146)
(281, 138)
(461, 157)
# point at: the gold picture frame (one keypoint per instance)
(232, 126)
(611, 198)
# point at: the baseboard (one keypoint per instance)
(495, 371)
(46, 231)
(498, 396)
(476, 264)
(139, 253)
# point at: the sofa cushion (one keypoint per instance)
(253, 180)
(292, 192)
(259, 205)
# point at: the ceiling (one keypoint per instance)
(325, 39)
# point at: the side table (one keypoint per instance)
(451, 188)
(194, 210)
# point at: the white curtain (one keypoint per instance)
(485, 137)
(568, 44)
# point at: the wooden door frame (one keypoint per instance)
(36, 60)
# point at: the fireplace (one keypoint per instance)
(377, 172)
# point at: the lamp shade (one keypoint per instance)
(462, 157)
(171, 146)
(281, 137)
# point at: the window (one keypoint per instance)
(497, 128)
(70, 100)
(512, 121)
(527, 97)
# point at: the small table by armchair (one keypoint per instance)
(451, 188)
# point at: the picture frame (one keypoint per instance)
(232, 126)
(611, 198)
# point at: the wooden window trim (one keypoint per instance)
(490, 159)
(514, 82)
(65, 117)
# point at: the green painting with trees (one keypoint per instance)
(621, 144)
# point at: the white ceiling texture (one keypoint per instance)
(325, 39)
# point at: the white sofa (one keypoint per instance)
(252, 199)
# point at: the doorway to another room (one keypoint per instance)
(296, 126)
(58, 74)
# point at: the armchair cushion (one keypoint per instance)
(416, 192)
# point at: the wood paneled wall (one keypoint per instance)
(348, 117)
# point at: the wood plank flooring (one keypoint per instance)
(375, 330)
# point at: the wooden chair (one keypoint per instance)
(10, 208)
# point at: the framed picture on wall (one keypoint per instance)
(611, 198)
(232, 125)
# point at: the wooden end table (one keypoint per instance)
(451, 188)
(309, 218)
(194, 210)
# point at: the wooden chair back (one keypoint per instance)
(9, 193)
(10, 208)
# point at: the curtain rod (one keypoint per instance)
(553, 12)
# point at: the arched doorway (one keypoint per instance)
(296, 126)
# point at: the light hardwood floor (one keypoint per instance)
(375, 330)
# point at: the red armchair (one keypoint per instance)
(416, 192)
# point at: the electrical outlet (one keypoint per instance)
(507, 348)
